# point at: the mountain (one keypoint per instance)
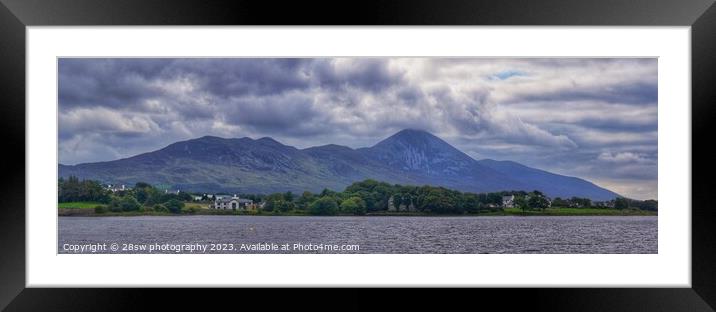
(429, 158)
(245, 165)
(419, 152)
(554, 185)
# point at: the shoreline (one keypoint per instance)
(76, 212)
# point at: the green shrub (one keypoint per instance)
(160, 208)
(354, 205)
(124, 203)
(100, 209)
(324, 206)
(174, 206)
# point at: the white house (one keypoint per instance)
(117, 188)
(508, 201)
(233, 203)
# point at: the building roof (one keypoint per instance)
(229, 199)
(223, 199)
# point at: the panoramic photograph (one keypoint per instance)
(357, 155)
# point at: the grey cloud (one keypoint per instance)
(240, 77)
(477, 115)
(275, 114)
(102, 120)
(593, 118)
(637, 93)
(101, 82)
(366, 74)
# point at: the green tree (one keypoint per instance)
(621, 203)
(521, 202)
(124, 203)
(73, 189)
(324, 206)
(141, 185)
(273, 201)
(284, 206)
(174, 205)
(440, 200)
(160, 208)
(305, 199)
(354, 205)
(472, 203)
(538, 202)
(153, 196)
(184, 196)
(559, 202)
(375, 194)
(580, 202)
(327, 192)
(494, 198)
(397, 199)
(649, 204)
(141, 194)
(288, 196)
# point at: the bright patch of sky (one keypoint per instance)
(504, 75)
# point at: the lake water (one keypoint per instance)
(292, 234)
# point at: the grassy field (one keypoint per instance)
(79, 205)
(196, 205)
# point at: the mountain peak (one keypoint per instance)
(269, 140)
(329, 147)
(412, 132)
(207, 138)
(419, 150)
(416, 139)
(410, 135)
(211, 138)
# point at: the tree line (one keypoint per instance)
(359, 198)
(617, 203)
(371, 196)
(142, 197)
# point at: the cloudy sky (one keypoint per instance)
(591, 118)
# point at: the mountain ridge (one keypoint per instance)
(264, 165)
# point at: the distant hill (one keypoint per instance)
(245, 165)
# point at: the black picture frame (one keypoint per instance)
(16, 15)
